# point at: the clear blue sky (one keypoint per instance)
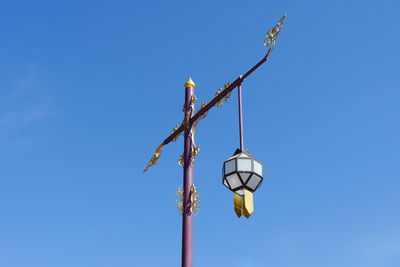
(88, 89)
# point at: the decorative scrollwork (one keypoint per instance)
(180, 161)
(179, 202)
(192, 135)
(229, 94)
(194, 198)
(154, 158)
(219, 103)
(186, 118)
(272, 34)
(192, 101)
(195, 152)
(186, 122)
(206, 113)
(176, 137)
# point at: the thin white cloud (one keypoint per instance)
(18, 120)
(391, 246)
(24, 103)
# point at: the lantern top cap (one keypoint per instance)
(190, 83)
(239, 152)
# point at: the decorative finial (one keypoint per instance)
(190, 83)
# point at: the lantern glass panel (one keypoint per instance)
(244, 176)
(258, 168)
(254, 181)
(240, 192)
(230, 166)
(226, 183)
(259, 185)
(244, 164)
(233, 180)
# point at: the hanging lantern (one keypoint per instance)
(243, 175)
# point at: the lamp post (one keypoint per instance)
(241, 173)
(187, 215)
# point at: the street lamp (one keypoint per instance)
(241, 173)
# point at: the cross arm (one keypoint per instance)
(269, 42)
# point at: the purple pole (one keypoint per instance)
(187, 216)
(240, 116)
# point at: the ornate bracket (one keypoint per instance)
(154, 158)
(195, 152)
(271, 36)
(194, 198)
(186, 117)
(173, 130)
(219, 103)
(192, 101)
(179, 202)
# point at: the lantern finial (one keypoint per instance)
(190, 83)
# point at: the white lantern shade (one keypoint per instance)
(254, 181)
(230, 166)
(242, 171)
(244, 164)
(240, 192)
(258, 168)
(226, 183)
(244, 176)
(233, 181)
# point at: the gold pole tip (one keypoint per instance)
(190, 83)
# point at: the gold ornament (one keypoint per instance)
(272, 34)
(194, 198)
(243, 205)
(154, 158)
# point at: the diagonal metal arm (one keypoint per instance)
(269, 42)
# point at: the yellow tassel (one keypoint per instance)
(237, 204)
(248, 206)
